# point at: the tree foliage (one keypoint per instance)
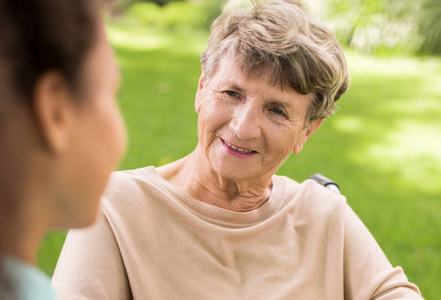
(376, 26)
(429, 21)
(372, 26)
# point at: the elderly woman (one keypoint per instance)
(218, 224)
(58, 115)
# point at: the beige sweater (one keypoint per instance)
(153, 241)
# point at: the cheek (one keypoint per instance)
(212, 116)
(108, 134)
(294, 134)
(118, 129)
(284, 138)
(114, 133)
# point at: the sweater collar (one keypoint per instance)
(223, 217)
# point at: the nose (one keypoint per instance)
(246, 122)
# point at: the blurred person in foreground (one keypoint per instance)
(61, 132)
(218, 223)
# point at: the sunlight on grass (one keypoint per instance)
(138, 37)
(412, 150)
(390, 65)
(424, 106)
(401, 117)
(134, 39)
(348, 124)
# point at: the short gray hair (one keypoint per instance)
(282, 38)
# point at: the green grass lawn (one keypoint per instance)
(382, 146)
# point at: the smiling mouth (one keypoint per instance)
(238, 148)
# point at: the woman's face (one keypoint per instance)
(248, 127)
(99, 137)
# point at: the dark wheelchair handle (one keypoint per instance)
(326, 182)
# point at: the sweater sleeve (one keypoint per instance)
(90, 265)
(367, 272)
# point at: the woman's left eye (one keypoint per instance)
(277, 111)
(232, 93)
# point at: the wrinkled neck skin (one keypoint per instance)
(194, 175)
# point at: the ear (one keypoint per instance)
(53, 110)
(309, 131)
(201, 83)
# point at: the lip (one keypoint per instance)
(236, 152)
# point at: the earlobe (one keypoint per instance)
(299, 146)
(52, 108)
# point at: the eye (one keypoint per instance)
(232, 93)
(277, 111)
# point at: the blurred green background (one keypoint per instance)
(382, 146)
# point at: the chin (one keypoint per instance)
(86, 222)
(234, 173)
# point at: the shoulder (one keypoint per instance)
(311, 200)
(309, 190)
(129, 191)
(124, 181)
(134, 194)
(128, 185)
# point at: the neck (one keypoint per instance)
(25, 212)
(198, 179)
(21, 229)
